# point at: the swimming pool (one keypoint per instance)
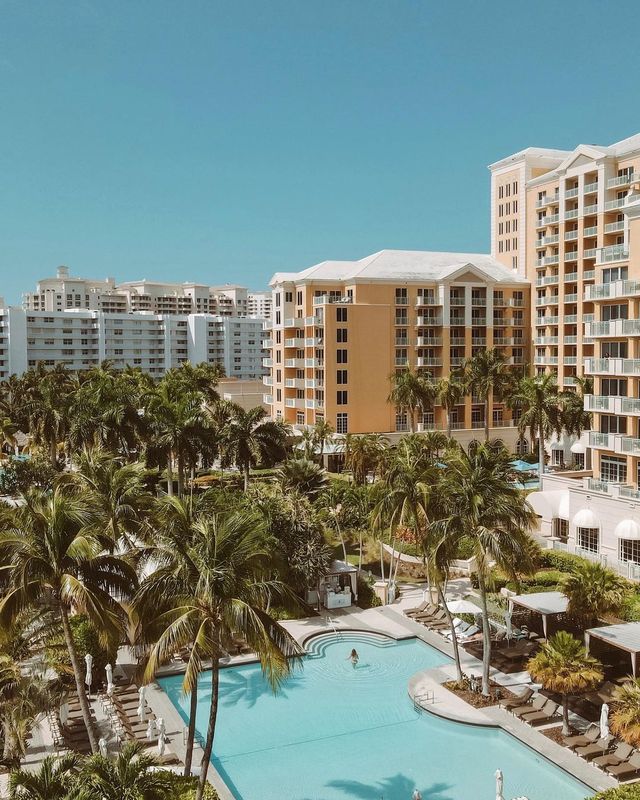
(339, 733)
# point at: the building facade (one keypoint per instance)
(82, 339)
(259, 304)
(340, 329)
(581, 251)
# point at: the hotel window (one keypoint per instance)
(610, 423)
(613, 470)
(341, 398)
(288, 297)
(402, 298)
(342, 423)
(618, 311)
(341, 356)
(402, 423)
(279, 395)
(299, 417)
(299, 298)
(614, 350)
(341, 334)
(341, 377)
(561, 529)
(588, 539)
(630, 550)
(341, 314)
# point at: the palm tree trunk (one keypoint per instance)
(565, 714)
(191, 733)
(448, 423)
(53, 452)
(454, 637)
(82, 695)
(360, 553)
(170, 473)
(246, 477)
(412, 420)
(344, 547)
(213, 713)
(180, 466)
(486, 638)
(486, 418)
(381, 560)
(540, 454)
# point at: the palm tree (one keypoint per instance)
(304, 476)
(488, 509)
(8, 434)
(624, 720)
(593, 591)
(132, 775)
(53, 781)
(54, 563)
(47, 408)
(363, 454)
(410, 393)
(575, 418)
(540, 408)
(230, 553)
(251, 438)
(487, 375)
(322, 433)
(450, 393)
(563, 666)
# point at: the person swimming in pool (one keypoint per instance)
(354, 657)
(416, 795)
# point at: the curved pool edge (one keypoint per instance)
(445, 704)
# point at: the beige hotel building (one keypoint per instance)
(341, 328)
(570, 223)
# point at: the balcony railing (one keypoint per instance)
(612, 205)
(589, 210)
(547, 280)
(621, 180)
(614, 227)
(570, 277)
(589, 232)
(570, 236)
(612, 366)
(569, 193)
(604, 440)
(616, 252)
(594, 402)
(571, 255)
(590, 188)
(427, 300)
(541, 202)
(429, 321)
(325, 298)
(571, 214)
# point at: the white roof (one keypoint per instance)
(407, 266)
(626, 636)
(543, 602)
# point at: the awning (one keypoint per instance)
(585, 518)
(577, 448)
(628, 529)
(557, 446)
(550, 504)
(547, 604)
(625, 636)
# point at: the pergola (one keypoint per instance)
(547, 604)
(625, 636)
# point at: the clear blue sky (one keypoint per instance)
(212, 141)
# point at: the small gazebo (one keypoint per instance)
(625, 636)
(339, 588)
(547, 604)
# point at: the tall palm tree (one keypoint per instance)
(410, 393)
(322, 433)
(488, 509)
(54, 562)
(8, 432)
(624, 720)
(363, 454)
(251, 438)
(593, 591)
(487, 374)
(304, 476)
(230, 552)
(132, 775)
(53, 780)
(563, 666)
(47, 407)
(450, 393)
(540, 407)
(575, 418)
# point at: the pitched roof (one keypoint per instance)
(404, 265)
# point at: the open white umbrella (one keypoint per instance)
(88, 660)
(462, 607)
(604, 721)
(110, 687)
(102, 747)
(499, 785)
(161, 744)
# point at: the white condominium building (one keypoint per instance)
(81, 339)
(259, 304)
(577, 238)
(65, 292)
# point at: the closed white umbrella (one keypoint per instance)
(162, 728)
(499, 785)
(88, 660)
(507, 622)
(604, 721)
(102, 747)
(161, 744)
(142, 712)
(64, 713)
(462, 607)
(151, 730)
(110, 687)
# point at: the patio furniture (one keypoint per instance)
(628, 769)
(515, 702)
(592, 751)
(536, 704)
(546, 714)
(619, 756)
(590, 736)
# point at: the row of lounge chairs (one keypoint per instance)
(435, 618)
(536, 709)
(617, 758)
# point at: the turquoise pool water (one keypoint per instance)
(339, 733)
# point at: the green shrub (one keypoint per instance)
(465, 548)
(367, 598)
(559, 560)
(630, 792)
(185, 789)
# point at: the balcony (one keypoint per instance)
(621, 180)
(314, 362)
(588, 274)
(430, 341)
(427, 300)
(599, 403)
(456, 319)
(554, 259)
(402, 362)
(570, 236)
(547, 280)
(294, 322)
(313, 383)
(541, 360)
(425, 322)
(429, 361)
(456, 300)
(547, 320)
(629, 405)
(267, 380)
(591, 188)
(570, 361)
(572, 214)
(612, 290)
(602, 441)
(479, 340)
(267, 362)
(570, 277)
(402, 321)
(613, 205)
(544, 340)
(294, 402)
(590, 252)
(551, 199)
(616, 252)
(267, 344)
(569, 380)
(589, 210)
(549, 240)
(571, 255)
(570, 318)
(457, 341)
(297, 363)
(612, 366)
(457, 361)
(571, 298)
(325, 298)
(294, 342)
(614, 227)
(476, 321)
(589, 232)
(627, 445)
(294, 383)
(550, 300)
(267, 399)
(570, 340)
(569, 193)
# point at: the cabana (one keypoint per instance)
(339, 589)
(625, 636)
(547, 604)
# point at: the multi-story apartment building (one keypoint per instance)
(156, 297)
(341, 328)
(81, 339)
(259, 304)
(581, 251)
